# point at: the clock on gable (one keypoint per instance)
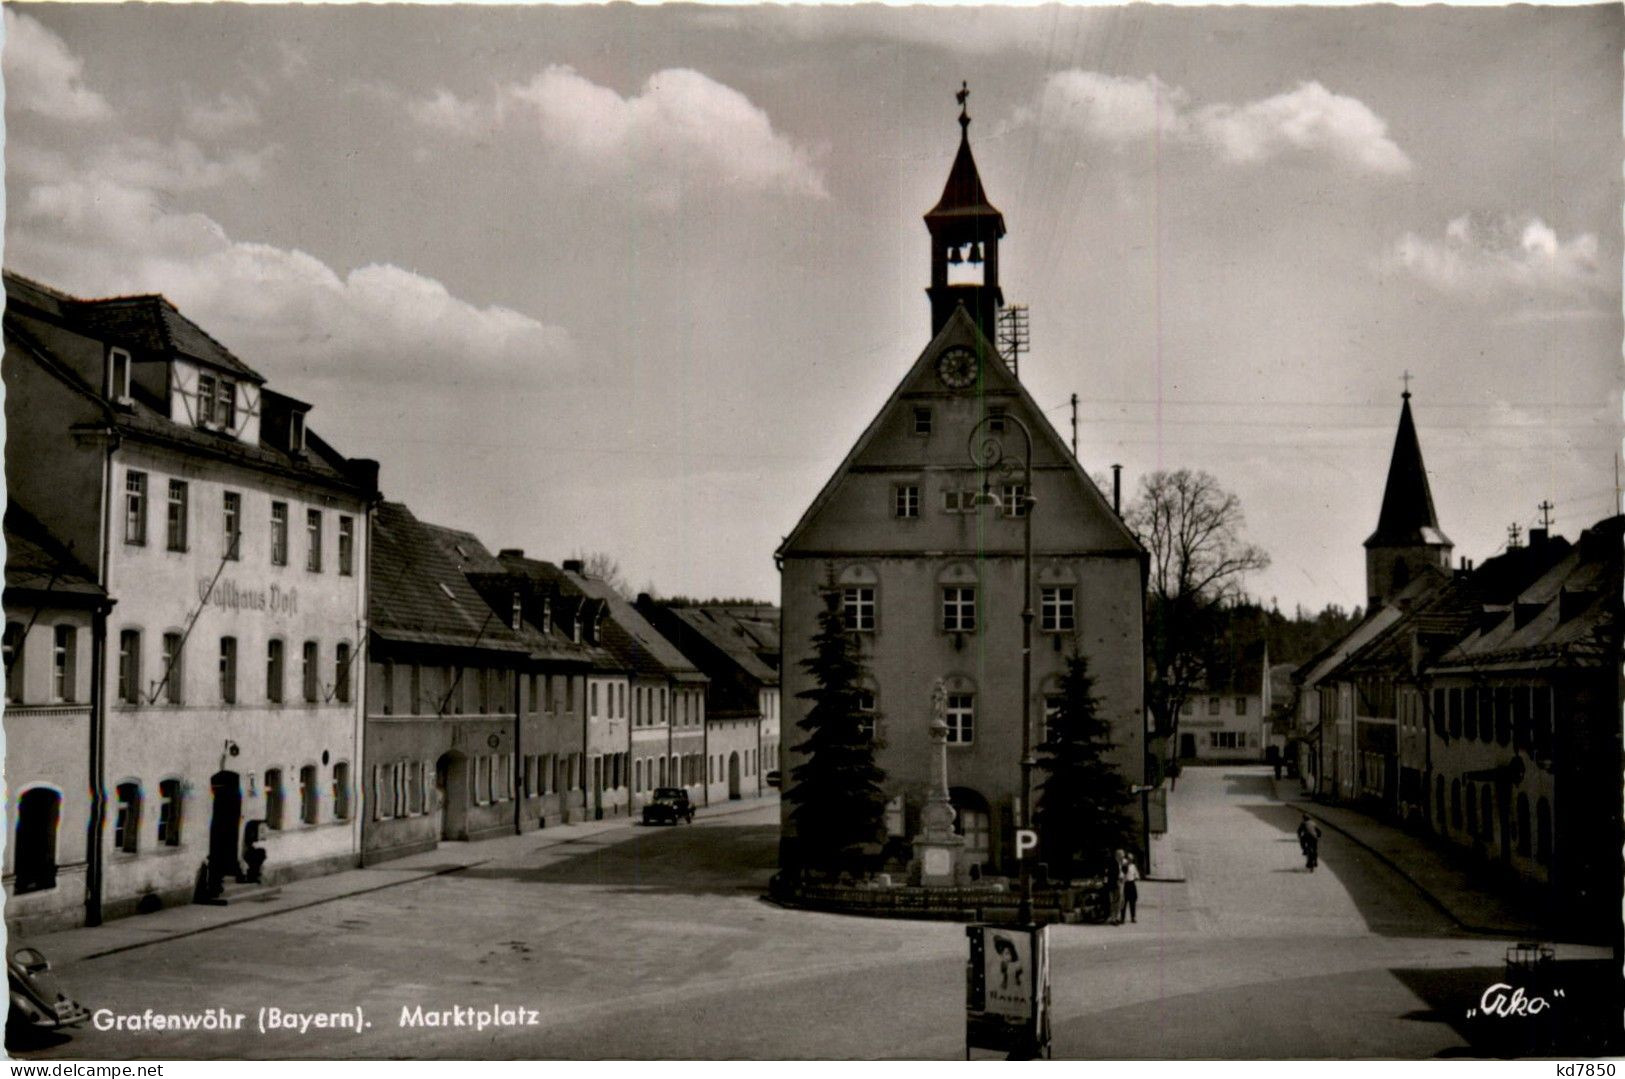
(957, 368)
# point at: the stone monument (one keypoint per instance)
(937, 847)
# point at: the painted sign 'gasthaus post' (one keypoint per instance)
(234, 542)
(931, 578)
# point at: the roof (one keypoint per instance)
(963, 200)
(731, 637)
(557, 601)
(153, 324)
(1407, 518)
(419, 593)
(37, 562)
(1570, 614)
(630, 637)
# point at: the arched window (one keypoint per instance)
(307, 794)
(169, 813)
(273, 798)
(38, 812)
(1543, 832)
(1455, 804)
(127, 817)
(341, 790)
(1523, 824)
(1487, 812)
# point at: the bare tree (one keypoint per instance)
(605, 567)
(1192, 529)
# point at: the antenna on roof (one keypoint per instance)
(1014, 336)
(1514, 534)
(1546, 509)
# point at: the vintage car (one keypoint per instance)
(775, 778)
(37, 1002)
(668, 806)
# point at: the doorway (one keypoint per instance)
(451, 794)
(733, 777)
(1187, 745)
(225, 821)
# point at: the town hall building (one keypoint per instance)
(925, 549)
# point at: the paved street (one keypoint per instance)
(641, 942)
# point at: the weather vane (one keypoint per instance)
(961, 97)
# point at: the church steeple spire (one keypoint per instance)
(1408, 540)
(965, 232)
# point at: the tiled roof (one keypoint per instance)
(153, 324)
(731, 635)
(630, 636)
(551, 583)
(36, 560)
(419, 593)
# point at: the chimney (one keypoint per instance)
(1537, 537)
(572, 565)
(511, 552)
(1117, 489)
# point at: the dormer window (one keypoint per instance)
(296, 432)
(547, 614)
(518, 611)
(216, 402)
(575, 629)
(118, 374)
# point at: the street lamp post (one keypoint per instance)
(987, 453)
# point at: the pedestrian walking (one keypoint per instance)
(1309, 842)
(1131, 889)
(1114, 888)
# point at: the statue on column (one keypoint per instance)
(936, 848)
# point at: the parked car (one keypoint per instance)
(774, 778)
(668, 806)
(37, 1001)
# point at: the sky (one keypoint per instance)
(633, 280)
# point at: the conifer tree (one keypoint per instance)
(1079, 812)
(837, 803)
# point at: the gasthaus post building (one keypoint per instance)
(232, 541)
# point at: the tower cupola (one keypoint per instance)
(965, 231)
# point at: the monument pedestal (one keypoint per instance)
(937, 847)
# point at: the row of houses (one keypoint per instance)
(1479, 704)
(220, 637)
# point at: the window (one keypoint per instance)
(1055, 610)
(118, 373)
(347, 557)
(313, 536)
(233, 522)
(127, 817)
(341, 672)
(312, 672)
(64, 656)
(225, 403)
(637, 776)
(959, 501)
(961, 718)
(866, 713)
(858, 609)
(205, 399)
(1015, 500)
(415, 687)
(176, 519)
(1213, 706)
(907, 500)
(172, 668)
(14, 661)
(959, 608)
(279, 533)
(307, 794)
(1241, 706)
(39, 811)
(169, 813)
(135, 508)
(273, 671)
(129, 666)
(228, 670)
(273, 798)
(922, 421)
(995, 419)
(341, 790)
(296, 432)
(1227, 740)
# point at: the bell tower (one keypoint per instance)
(1408, 542)
(965, 231)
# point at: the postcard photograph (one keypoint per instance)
(704, 532)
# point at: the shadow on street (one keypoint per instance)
(1583, 1000)
(709, 859)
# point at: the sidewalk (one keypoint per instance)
(1431, 871)
(251, 904)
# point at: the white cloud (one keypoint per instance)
(1121, 109)
(142, 164)
(681, 131)
(97, 235)
(222, 116)
(43, 76)
(1486, 257)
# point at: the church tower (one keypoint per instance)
(1407, 542)
(965, 231)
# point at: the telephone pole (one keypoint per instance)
(1546, 509)
(1074, 427)
(1514, 532)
